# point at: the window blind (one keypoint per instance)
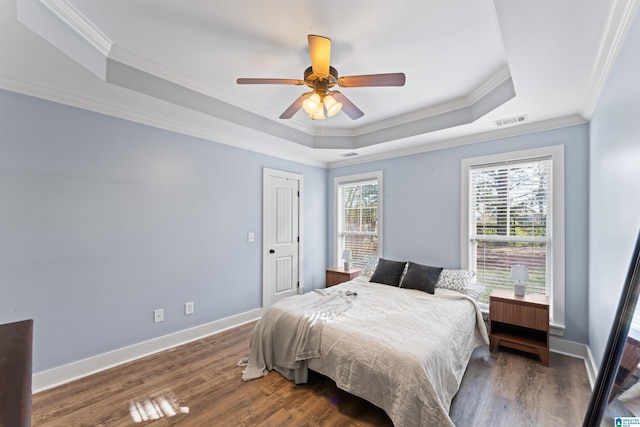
(511, 223)
(358, 220)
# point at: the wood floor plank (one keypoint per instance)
(502, 388)
(513, 388)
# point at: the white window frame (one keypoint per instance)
(557, 279)
(340, 180)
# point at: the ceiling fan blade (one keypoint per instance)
(249, 81)
(391, 79)
(320, 53)
(348, 107)
(293, 108)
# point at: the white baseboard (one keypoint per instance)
(574, 349)
(63, 374)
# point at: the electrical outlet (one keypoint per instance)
(158, 315)
(188, 308)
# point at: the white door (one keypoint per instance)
(281, 235)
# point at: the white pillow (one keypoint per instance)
(456, 280)
(475, 290)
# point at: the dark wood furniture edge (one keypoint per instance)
(16, 342)
(336, 275)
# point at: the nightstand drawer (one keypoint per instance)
(520, 315)
(338, 275)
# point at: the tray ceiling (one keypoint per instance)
(468, 65)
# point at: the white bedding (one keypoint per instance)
(403, 350)
(289, 334)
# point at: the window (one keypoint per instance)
(513, 213)
(510, 223)
(359, 217)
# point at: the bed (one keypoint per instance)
(404, 350)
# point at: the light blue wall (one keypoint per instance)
(103, 220)
(614, 189)
(422, 208)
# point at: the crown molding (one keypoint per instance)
(76, 35)
(618, 23)
(493, 83)
(133, 60)
(489, 85)
(144, 78)
(101, 107)
(75, 20)
(516, 130)
(163, 80)
(64, 27)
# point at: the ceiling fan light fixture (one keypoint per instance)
(333, 107)
(321, 77)
(318, 114)
(307, 107)
(312, 104)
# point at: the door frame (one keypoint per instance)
(266, 172)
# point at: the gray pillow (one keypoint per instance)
(388, 272)
(421, 277)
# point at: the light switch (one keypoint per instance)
(251, 237)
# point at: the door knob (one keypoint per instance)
(272, 251)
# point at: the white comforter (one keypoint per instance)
(403, 350)
(289, 334)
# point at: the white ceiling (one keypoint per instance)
(173, 64)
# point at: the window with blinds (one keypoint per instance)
(358, 208)
(510, 223)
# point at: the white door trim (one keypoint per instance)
(266, 294)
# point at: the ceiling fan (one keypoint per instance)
(321, 78)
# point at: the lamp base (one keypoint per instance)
(347, 265)
(519, 289)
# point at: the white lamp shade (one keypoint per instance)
(319, 114)
(333, 107)
(346, 255)
(519, 272)
(312, 104)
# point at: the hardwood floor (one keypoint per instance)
(499, 388)
(511, 388)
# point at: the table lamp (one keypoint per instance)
(346, 256)
(519, 273)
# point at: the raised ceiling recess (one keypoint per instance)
(468, 64)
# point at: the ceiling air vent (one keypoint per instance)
(349, 154)
(511, 120)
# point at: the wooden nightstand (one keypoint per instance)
(520, 322)
(337, 275)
